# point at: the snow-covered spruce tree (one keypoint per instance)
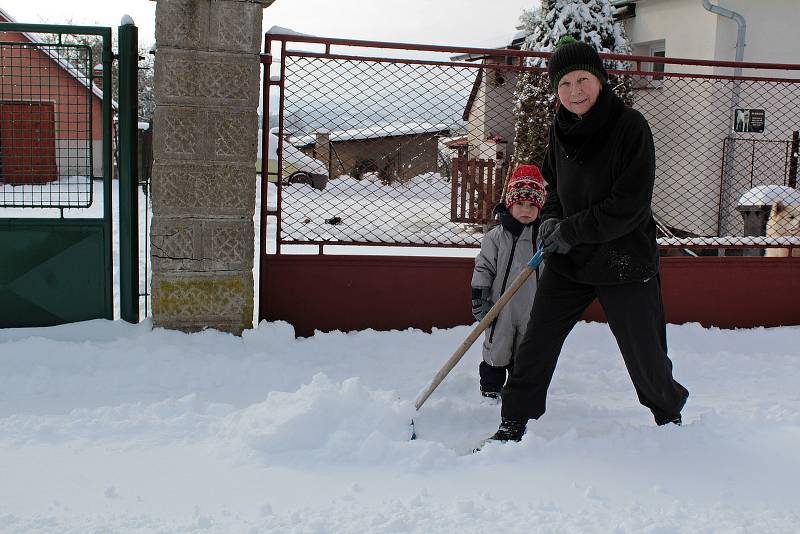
(585, 20)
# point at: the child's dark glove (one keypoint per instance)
(545, 229)
(481, 302)
(555, 243)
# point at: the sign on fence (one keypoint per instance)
(749, 120)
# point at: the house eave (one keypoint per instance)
(64, 64)
(623, 10)
(472, 95)
(514, 44)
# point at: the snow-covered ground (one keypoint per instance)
(67, 191)
(417, 211)
(110, 427)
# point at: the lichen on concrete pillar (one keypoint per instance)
(205, 130)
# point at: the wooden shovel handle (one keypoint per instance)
(479, 328)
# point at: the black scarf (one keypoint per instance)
(579, 136)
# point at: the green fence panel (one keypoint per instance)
(57, 274)
(55, 270)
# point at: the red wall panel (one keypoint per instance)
(326, 293)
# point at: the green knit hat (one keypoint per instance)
(572, 55)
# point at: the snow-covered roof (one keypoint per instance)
(376, 131)
(291, 155)
(513, 43)
(286, 31)
(63, 63)
(455, 142)
(764, 195)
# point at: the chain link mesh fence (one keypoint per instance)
(403, 150)
(46, 132)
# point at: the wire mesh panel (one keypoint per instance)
(705, 163)
(45, 125)
(377, 132)
(411, 151)
(57, 267)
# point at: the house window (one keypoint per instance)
(658, 50)
(654, 80)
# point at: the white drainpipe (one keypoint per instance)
(740, 34)
(730, 156)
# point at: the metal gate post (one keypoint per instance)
(128, 175)
(108, 63)
(794, 152)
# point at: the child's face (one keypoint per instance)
(525, 212)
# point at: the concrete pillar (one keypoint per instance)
(205, 130)
(755, 224)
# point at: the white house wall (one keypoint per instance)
(476, 128)
(686, 194)
(689, 170)
(492, 113)
(688, 155)
(72, 157)
(97, 157)
(772, 33)
(500, 111)
(688, 29)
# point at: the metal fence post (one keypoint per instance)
(128, 174)
(794, 152)
(108, 63)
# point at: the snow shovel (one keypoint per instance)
(477, 331)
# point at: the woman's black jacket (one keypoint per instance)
(600, 171)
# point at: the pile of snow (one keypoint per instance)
(109, 427)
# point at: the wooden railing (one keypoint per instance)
(477, 187)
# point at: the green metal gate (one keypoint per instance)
(55, 244)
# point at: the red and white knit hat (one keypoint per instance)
(526, 184)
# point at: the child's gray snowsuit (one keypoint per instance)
(502, 257)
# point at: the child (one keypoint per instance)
(505, 251)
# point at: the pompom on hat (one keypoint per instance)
(526, 185)
(573, 55)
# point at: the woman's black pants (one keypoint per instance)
(635, 314)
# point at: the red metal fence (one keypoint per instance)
(412, 143)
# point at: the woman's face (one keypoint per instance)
(578, 91)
